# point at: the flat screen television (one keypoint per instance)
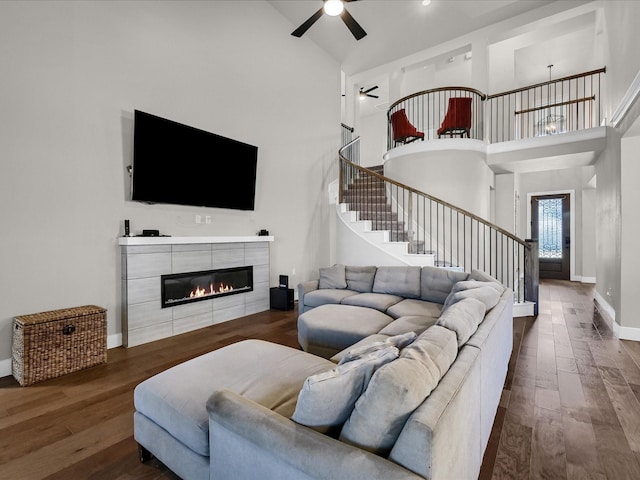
(182, 165)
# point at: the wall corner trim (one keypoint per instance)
(629, 98)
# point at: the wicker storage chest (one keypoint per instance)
(49, 344)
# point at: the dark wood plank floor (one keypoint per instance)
(570, 407)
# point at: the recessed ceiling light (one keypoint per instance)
(426, 2)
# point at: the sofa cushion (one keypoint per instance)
(401, 281)
(481, 276)
(357, 351)
(397, 389)
(412, 306)
(360, 279)
(408, 323)
(175, 399)
(325, 296)
(327, 329)
(466, 284)
(332, 277)
(463, 318)
(377, 301)
(487, 295)
(436, 283)
(327, 399)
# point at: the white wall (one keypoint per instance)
(73, 72)
(627, 314)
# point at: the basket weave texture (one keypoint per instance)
(50, 344)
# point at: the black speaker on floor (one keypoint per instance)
(281, 298)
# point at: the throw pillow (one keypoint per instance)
(332, 277)
(397, 389)
(360, 279)
(466, 284)
(398, 341)
(327, 399)
(487, 295)
(463, 318)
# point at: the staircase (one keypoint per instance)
(366, 205)
(405, 226)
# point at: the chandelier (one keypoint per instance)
(551, 123)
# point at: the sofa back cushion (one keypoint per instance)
(332, 277)
(463, 318)
(485, 293)
(397, 389)
(436, 283)
(327, 399)
(360, 279)
(401, 281)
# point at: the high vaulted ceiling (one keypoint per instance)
(401, 28)
(397, 28)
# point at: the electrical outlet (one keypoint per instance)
(207, 219)
(293, 271)
(198, 219)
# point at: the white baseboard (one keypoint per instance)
(523, 309)
(588, 279)
(5, 367)
(113, 341)
(609, 315)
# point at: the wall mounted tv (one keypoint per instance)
(182, 165)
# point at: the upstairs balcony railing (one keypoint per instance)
(556, 106)
(426, 110)
(563, 105)
(457, 238)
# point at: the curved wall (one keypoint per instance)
(453, 170)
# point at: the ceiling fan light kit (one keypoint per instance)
(333, 8)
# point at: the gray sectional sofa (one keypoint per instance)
(413, 395)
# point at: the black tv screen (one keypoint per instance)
(178, 164)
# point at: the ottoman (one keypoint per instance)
(329, 329)
(171, 419)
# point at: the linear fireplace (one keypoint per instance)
(180, 288)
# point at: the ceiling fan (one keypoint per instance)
(365, 93)
(333, 8)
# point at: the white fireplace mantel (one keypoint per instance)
(167, 240)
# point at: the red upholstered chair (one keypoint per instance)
(457, 121)
(403, 131)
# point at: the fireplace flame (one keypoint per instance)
(202, 292)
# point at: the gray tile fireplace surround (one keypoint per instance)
(145, 259)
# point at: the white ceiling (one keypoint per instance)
(399, 28)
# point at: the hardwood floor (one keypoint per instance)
(570, 407)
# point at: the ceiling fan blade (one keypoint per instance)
(298, 32)
(372, 96)
(351, 23)
(370, 89)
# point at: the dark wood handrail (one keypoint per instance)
(430, 197)
(434, 90)
(549, 82)
(559, 104)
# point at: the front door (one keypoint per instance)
(550, 215)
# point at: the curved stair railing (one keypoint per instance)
(459, 239)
